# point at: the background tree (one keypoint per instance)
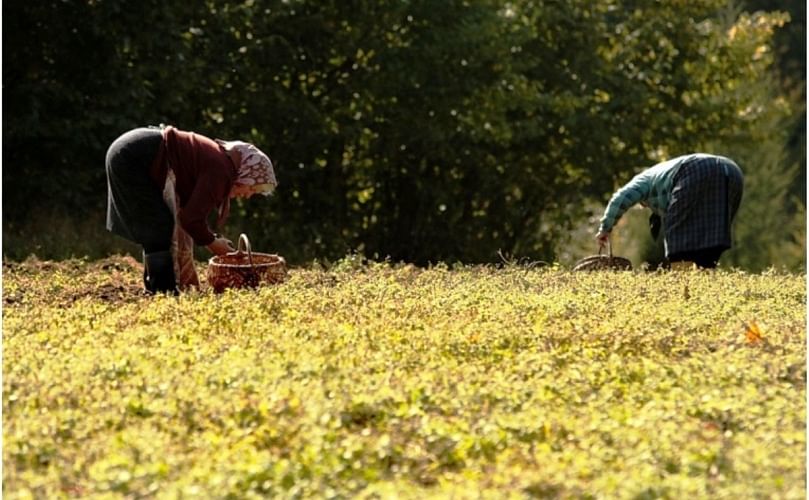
(418, 130)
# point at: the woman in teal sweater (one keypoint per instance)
(696, 198)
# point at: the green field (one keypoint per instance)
(379, 381)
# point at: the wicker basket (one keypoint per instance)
(603, 262)
(245, 268)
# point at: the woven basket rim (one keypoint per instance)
(593, 258)
(276, 260)
(602, 261)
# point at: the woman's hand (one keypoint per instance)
(221, 246)
(603, 238)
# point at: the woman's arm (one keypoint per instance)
(220, 246)
(209, 192)
(634, 191)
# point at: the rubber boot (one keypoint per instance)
(147, 285)
(159, 273)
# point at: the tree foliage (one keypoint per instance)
(418, 130)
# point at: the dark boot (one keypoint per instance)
(146, 284)
(158, 274)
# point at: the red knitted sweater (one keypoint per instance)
(204, 176)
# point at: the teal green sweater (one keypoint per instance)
(652, 186)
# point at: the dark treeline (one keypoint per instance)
(417, 130)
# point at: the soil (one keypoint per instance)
(116, 279)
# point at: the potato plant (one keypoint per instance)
(379, 380)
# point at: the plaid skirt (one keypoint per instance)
(136, 209)
(705, 196)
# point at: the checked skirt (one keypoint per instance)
(705, 197)
(136, 209)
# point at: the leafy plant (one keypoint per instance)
(378, 379)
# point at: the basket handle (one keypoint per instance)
(243, 241)
(609, 248)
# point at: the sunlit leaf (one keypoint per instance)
(752, 332)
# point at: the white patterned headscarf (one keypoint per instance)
(256, 170)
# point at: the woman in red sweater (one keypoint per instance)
(156, 177)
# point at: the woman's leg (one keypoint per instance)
(682, 260)
(158, 272)
(706, 258)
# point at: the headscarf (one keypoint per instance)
(255, 169)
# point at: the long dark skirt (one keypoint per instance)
(135, 206)
(704, 200)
